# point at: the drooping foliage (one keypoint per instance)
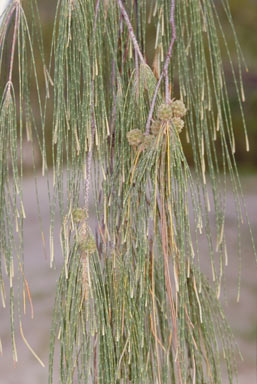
(132, 304)
(18, 75)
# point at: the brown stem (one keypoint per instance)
(131, 32)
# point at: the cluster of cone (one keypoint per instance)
(137, 138)
(172, 112)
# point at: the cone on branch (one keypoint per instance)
(178, 123)
(135, 137)
(178, 108)
(165, 112)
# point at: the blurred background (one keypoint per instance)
(242, 316)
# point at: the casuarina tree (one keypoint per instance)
(128, 85)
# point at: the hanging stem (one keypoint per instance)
(6, 23)
(164, 73)
(90, 152)
(131, 32)
(89, 156)
(17, 18)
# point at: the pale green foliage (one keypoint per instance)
(132, 305)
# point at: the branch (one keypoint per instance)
(164, 73)
(131, 32)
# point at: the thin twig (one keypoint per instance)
(89, 156)
(164, 73)
(114, 93)
(17, 18)
(30, 348)
(93, 128)
(5, 22)
(131, 32)
(96, 13)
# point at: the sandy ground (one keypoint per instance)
(242, 316)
